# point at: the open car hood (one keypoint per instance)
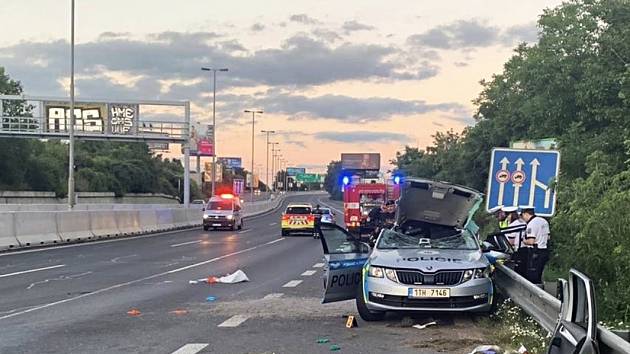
(435, 202)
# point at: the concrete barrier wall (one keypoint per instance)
(35, 228)
(73, 225)
(103, 223)
(7, 232)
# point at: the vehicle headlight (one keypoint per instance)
(375, 272)
(365, 213)
(230, 217)
(478, 273)
(205, 216)
(391, 275)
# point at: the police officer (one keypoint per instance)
(317, 213)
(515, 233)
(536, 239)
(500, 215)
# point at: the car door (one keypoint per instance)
(344, 257)
(576, 331)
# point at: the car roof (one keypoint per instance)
(292, 205)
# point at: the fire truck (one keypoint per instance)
(361, 197)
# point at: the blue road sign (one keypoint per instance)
(523, 177)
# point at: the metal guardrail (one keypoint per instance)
(545, 309)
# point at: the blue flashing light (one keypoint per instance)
(345, 180)
(397, 179)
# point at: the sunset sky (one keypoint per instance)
(331, 76)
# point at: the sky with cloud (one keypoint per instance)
(331, 76)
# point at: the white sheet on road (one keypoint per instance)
(236, 277)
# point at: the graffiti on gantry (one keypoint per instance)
(122, 118)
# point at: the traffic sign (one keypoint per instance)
(523, 177)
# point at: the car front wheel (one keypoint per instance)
(365, 313)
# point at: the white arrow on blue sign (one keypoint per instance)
(523, 177)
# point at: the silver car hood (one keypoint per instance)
(436, 202)
(428, 260)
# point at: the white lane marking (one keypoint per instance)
(318, 265)
(308, 273)
(329, 206)
(234, 321)
(117, 259)
(191, 348)
(244, 231)
(135, 281)
(273, 296)
(278, 240)
(273, 223)
(185, 243)
(31, 270)
(292, 284)
(63, 277)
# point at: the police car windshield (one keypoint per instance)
(220, 205)
(454, 239)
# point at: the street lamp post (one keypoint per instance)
(214, 123)
(273, 163)
(267, 174)
(71, 197)
(276, 160)
(253, 112)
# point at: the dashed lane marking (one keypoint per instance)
(234, 321)
(292, 284)
(185, 243)
(120, 285)
(318, 265)
(308, 273)
(273, 223)
(244, 231)
(31, 270)
(273, 296)
(191, 348)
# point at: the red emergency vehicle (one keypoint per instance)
(360, 198)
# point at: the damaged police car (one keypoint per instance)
(430, 260)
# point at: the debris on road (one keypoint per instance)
(351, 322)
(211, 298)
(236, 277)
(423, 326)
(334, 348)
(134, 312)
(193, 282)
(523, 350)
(179, 312)
(487, 349)
(322, 340)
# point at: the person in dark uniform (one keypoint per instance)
(536, 239)
(317, 213)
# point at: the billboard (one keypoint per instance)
(200, 144)
(231, 162)
(238, 185)
(248, 181)
(204, 148)
(361, 161)
(208, 172)
(294, 171)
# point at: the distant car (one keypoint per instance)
(431, 260)
(298, 218)
(223, 211)
(327, 215)
(198, 203)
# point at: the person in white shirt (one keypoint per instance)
(515, 233)
(537, 237)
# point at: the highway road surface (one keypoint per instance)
(133, 295)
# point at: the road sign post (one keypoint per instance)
(523, 177)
